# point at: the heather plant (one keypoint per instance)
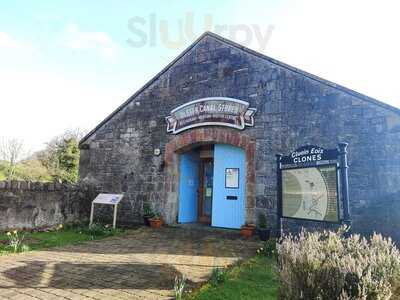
(328, 265)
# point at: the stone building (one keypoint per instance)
(199, 140)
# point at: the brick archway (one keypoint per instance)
(200, 136)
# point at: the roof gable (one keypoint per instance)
(252, 52)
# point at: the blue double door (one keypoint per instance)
(226, 200)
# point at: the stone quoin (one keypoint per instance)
(218, 166)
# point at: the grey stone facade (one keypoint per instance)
(294, 108)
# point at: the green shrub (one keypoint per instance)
(96, 230)
(262, 221)
(156, 216)
(25, 248)
(218, 276)
(147, 210)
(268, 248)
(327, 265)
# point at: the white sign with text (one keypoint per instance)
(111, 199)
(108, 198)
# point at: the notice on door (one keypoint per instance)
(310, 193)
(232, 178)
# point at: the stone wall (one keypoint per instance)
(293, 109)
(35, 205)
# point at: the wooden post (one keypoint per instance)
(115, 215)
(91, 215)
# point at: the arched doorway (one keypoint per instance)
(226, 141)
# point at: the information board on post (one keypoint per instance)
(108, 199)
(310, 182)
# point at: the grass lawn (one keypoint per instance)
(68, 235)
(253, 279)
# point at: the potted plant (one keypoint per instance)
(263, 230)
(147, 214)
(155, 221)
(247, 230)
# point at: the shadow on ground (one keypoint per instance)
(93, 276)
(171, 240)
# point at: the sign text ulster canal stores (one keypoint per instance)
(220, 111)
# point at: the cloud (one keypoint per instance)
(100, 42)
(8, 42)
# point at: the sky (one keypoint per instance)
(69, 64)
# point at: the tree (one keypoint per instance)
(33, 170)
(11, 152)
(58, 161)
(61, 156)
(68, 160)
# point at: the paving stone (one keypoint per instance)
(140, 265)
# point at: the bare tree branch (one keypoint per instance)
(11, 151)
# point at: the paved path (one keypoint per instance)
(139, 265)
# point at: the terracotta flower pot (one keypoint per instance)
(155, 223)
(247, 231)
